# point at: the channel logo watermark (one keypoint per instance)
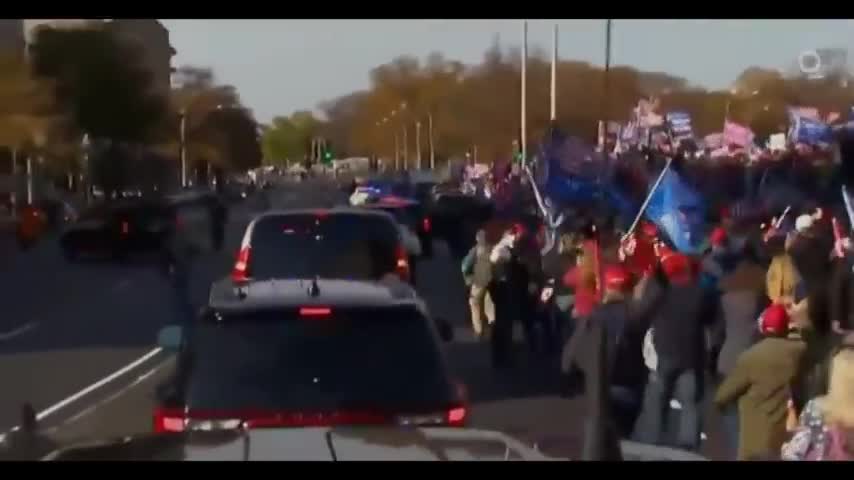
(816, 64)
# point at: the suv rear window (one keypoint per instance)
(359, 359)
(407, 216)
(352, 247)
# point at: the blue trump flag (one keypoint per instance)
(572, 173)
(679, 211)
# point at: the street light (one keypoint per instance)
(183, 136)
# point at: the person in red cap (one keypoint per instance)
(761, 383)
(678, 335)
(617, 325)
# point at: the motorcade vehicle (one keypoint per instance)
(339, 242)
(118, 229)
(290, 353)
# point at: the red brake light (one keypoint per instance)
(168, 420)
(457, 416)
(315, 311)
(240, 273)
(425, 224)
(402, 263)
(125, 227)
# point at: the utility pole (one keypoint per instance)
(554, 78)
(405, 149)
(396, 151)
(183, 148)
(524, 139)
(430, 134)
(418, 144)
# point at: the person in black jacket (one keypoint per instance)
(679, 339)
(508, 287)
(621, 322)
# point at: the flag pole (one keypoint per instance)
(648, 198)
(554, 77)
(524, 134)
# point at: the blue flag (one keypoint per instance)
(572, 173)
(808, 131)
(679, 211)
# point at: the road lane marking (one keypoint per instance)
(91, 409)
(18, 331)
(100, 383)
(91, 388)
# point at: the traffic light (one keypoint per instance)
(327, 156)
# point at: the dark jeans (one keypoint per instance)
(501, 340)
(510, 307)
(625, 407)
(669, 382)
(729, 419)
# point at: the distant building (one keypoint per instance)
(153, 39)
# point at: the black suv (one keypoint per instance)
(337, 353)
(120, 228)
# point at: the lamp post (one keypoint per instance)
(418, 144)
(183, 137)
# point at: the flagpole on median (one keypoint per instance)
(554, 77)
(524, 134)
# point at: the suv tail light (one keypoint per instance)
(402, 263)
(169, 420)
(315, 311)
(125, 227)
(453, 417)
(425, 225)
(240, 272)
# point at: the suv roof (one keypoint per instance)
(343, 210)
(272, 294)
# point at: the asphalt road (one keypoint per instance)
(78, 342)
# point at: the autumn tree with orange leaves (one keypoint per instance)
(478, 105)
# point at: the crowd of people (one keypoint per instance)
(763, 318)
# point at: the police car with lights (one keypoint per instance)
(297, 353)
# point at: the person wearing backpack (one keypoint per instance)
(477, 272)
(825, 430)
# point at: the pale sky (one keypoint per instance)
(280, 66)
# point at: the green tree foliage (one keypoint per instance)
(289, 138)
(100, 82)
